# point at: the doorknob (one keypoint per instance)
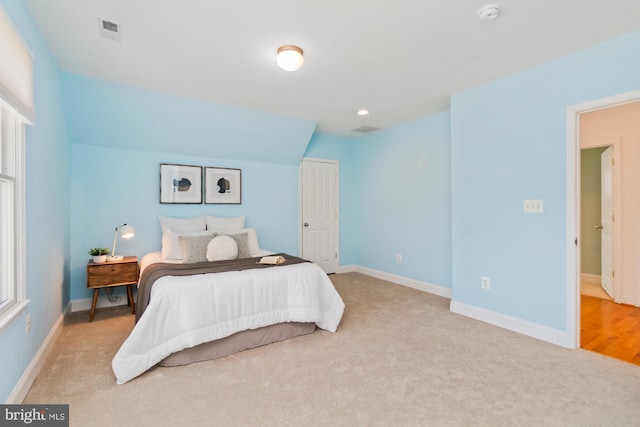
(598, 227)
(306, 224)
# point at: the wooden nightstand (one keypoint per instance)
(112, 273)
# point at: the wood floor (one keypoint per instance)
(610, 329)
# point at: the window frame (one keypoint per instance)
(12, 124)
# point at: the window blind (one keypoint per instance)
(16, 69)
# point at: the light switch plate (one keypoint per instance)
(533, 206)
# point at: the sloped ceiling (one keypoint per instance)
(401, 59)
(112, 115)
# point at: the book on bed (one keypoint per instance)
(273, 259)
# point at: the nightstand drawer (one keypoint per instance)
(100, 275)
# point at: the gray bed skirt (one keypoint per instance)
(240, 341)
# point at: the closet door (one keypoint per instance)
(320, 213)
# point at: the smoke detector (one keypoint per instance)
(109, 29)
(489, 12)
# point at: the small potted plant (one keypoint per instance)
(99, 254)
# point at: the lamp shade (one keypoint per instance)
(127, 231)
(290, 57)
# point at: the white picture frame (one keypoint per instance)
(180, 184)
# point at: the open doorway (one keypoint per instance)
(608, 219)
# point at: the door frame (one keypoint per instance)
(573, 205)
(301, 202)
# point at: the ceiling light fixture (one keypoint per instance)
(290, 57)
(489, 12)
(362, 112)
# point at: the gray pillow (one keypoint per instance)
(194, 248)
(242, 240)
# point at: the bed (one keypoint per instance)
(193, 311)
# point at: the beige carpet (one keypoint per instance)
(399, 358)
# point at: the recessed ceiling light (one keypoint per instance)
(489, 12)
(362, 112)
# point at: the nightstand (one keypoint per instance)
(112, 273)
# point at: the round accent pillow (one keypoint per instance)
(221, 248)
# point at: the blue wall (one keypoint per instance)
(48, 163)
(395, 197)
(509, 142)
(404, 196)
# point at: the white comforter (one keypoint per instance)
(190, 310)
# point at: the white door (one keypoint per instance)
(606, 161)
(320, 213)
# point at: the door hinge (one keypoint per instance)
(613, 274)
(613, 218)
(336, 255)
(613, 162)
(576, 241)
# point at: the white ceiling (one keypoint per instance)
(400, 59)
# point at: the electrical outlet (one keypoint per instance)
(28, 319)
(485, 282)
(399, 258)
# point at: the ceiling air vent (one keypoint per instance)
(365, 129)
(109, 29)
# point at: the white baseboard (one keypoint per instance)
(534, 330)
(29, 376)
(591, 278)
(351, 268)
(400, 280)
(629, 301)
(84, 304)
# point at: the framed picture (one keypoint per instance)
(180, 183)
(222, 185)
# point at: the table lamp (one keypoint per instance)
(126, 232)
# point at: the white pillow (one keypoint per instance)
(182, 225)
(225, 224)
(221, 248)
(171, 249)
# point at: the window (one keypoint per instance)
(16, 110)
(12, 280)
